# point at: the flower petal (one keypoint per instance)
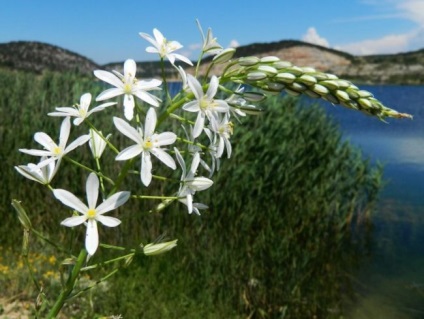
(91, 237)
(147, 97)
(35, 152)
(199, 125)
(78, 142)
(195, 87)
(164, 157)
(129, 152)
(113, 202)
(92, 189)
(108, 221)
(70, 200)
(192, 106)
(44, 140)
(74, 221)
(165, 138)
(150, 124)
(130, 68)
(129, 106)
(146, 168)
(108, 77)
(128, 130)
(109, 93)
(65, 129)
(213, 87)
(181, 161)
(182, 58)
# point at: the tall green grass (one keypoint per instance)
(284, 228)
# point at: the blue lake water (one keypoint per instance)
(391, 282)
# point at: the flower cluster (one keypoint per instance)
(165, 127)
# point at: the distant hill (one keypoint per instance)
(37, 56)
(402, 68)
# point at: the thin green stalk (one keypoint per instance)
(199, 60)
(107, 262)
(89, 169)
(153, 197)
(172, 108)
(41, 236)
(122, 175)
(70, 284)
(165, 84)
(95, 284)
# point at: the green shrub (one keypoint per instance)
(279, 236)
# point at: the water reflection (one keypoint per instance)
(392, 281)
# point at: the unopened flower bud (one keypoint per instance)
(281, 64)
(307, 79)
(267, 69)
(365, 103)
(285, 77)
(256, 76)
(331, 84)
(320, 89)
(342, 95)
(365, 94)
(343, 84)
(22, 215)
(254, 96)
(269, 59)
(199, 183)
(224, 56)
(156, 249)
(248, 61)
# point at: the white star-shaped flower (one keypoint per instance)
(52, 150)
(224, 130)
(80, 111)
(42, 175)
(91, 214)
(129, 86)
(190, 183)
(163, 47)
(205, 104)
(146, 144)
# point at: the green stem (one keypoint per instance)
(95, 284)
(153, 197)
(122, 175)
(41, 236)
(165, 84)
(69, 285)
(172, 108)
(107, 262)
(88, 169)
(199, 60)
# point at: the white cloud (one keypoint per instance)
(392, 43)
(313, 37)
(412, 10)
(234, 44)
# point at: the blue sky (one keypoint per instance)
(107, 31)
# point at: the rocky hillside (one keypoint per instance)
(37, 57)
(403, 68)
